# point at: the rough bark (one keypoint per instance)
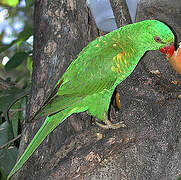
(62, 29)
(121, 12)
(150, 146)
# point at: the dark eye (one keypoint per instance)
(157, 39)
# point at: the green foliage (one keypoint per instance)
(9, 97)
(12, 105)
(11, 3)
(25, 34)
(15, 79)
(16, 60)
(5, 133)
(7, 155)
(5, 47)
(15, 115)
(29, 3)
(29, 64)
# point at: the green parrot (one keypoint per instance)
(90, 80)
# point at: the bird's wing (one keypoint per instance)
(90, 73)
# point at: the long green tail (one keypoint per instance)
(48, 126)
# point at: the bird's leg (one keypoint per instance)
(105, 122)
(109, 125)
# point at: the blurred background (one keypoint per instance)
(16, 45)
(16, 40)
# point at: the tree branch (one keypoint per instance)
(4, 84)
(121, 12)
(8, 143)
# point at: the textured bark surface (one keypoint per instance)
(62, 29)
(150, 146)
(121, 12)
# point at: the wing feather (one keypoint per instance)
(90, 73)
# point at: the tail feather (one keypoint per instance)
(59, 103)
(48, 126)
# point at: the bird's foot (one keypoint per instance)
(109, 125)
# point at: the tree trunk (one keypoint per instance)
(62, 29)
(149, 148)
(121, 12)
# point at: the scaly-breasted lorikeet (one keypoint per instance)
(90, 80)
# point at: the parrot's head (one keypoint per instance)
(158, 36)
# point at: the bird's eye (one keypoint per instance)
(157, 39)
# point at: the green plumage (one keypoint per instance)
(89, 82)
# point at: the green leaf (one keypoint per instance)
(11, 3)
(23, 106)
(29, 64)
(25, 33)
(1, 121)
(5, 133)
(16, 60)
(9, 97)
(7, 155)
(23, 36)
(5, 47)
(29, 3)
(15, 117)
(5, 136)
(18, 111)
(2, 176)
(8, 160)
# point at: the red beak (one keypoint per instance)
(168, 50)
